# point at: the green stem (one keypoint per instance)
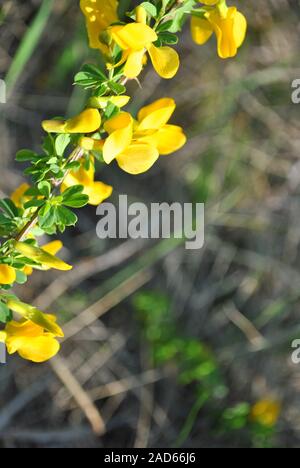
(75, 156)
(28, 44)
(191, 419)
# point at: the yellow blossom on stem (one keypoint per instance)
(87, 122)
(31, 341)
(41, 256)
(52, 248)
(136, 39)
(7, 274)
(266, 412)
(96, 191)
(228, 24)
(18, 197)
(136, 145)
(99, 14)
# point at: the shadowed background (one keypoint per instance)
(166, 347)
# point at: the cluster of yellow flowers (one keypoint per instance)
(228, 24)
(134, 143)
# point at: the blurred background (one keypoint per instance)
(167, 347)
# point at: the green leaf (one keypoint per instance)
(117, 88)
(25, 155)
(93, 70)
(180, 15)
(21, 277)
(165, 26)
(150, 8)
(73, 166)
(61, 144)
(9, 208)
(90, 77)
(65, 217)
(45, 188)
(78, 201)
(34, 204)
(48, 145)
(71, 191)
(168, 38)
(101, 90)
(111, 110)
(5, 313)
(74, 198)
(47, 217)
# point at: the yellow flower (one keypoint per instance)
(18, 197)
(136, 145)
(87, 122)
(100, 14)
(7, 274)
(96, 191)
(266, 412)
(41, 256)
(31, 341)
(136, 39)
(52, 248)
(228, 24)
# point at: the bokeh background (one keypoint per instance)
(167, 347)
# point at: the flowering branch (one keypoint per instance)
(63, 174)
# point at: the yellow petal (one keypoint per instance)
(201, 29)
(167, 140)
(42, 257)
(7, 274)
(230, 31)
(114, 32)
(90, 144)
(38, 350)
(121, 129)
(100, 14)
(3, 336)
(81, 177)
(156, 115)
(18, 196)
(240, 28)
(28, 270)
(138, 158)
(44, 321)
(121, 120)
(134, 64)
(210, 2)
(133, 36)
(98, 192)
(141, 15)
(87, 122)
(165, 61)
(54, 126)
(266, 412)
(53, 247)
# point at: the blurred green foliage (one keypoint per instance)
(195, 364)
